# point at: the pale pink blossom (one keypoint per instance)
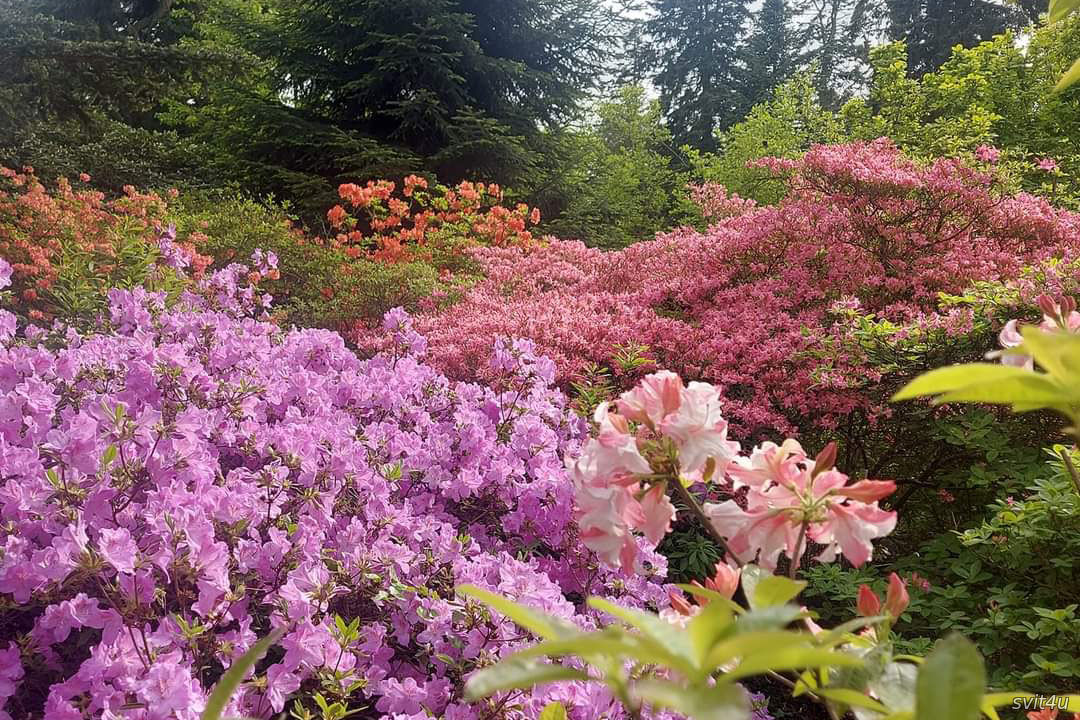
(766, 462)
(700, 431)
(653, 399)
(658, 513)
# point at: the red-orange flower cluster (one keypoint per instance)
(426, 219)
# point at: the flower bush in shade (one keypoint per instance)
(762, 303)
(190, 478)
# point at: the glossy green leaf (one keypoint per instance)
(950, 683)
(540, 624)
(230, 681)
(791, 658)
(553, 711)
(776, 590)
(723, 702)
(517, 674)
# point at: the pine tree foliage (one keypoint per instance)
(769, 58)
(690, 51)
(74, 73)
(459, 81)
(931, 28)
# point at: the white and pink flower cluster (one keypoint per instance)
(620, 476)
(667, 432)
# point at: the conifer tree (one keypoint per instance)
(931, 28)
(768, 55)
(690, 51)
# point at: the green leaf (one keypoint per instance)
(553, 711)
(712, 623)
(517, 674)
(951, 682)
(1058, 353)
(895, 687)
(791, 658)
(230, 681)
(854, 698)
(775, 590)
(1069, 78)
(712, 596)
(543, 625)
(751, 576)
(775, 617)
(653, 628)
(723, 702)
(986, 383)
(838, 634)
(1059, 9)
(752, 643)
(610, 642)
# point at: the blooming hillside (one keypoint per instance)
(752, 303)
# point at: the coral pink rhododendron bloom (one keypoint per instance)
(787, 493)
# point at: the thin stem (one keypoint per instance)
(1066, 456)
(692, 504)
(798, 551)
(791, 686)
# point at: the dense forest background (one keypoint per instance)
(597, 112)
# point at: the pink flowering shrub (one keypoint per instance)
(761, 304)
(191, 478)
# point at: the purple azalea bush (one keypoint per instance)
(189, 478)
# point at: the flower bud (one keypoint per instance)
(679, 603)
(725, 581)
(1047, 305)
(825, 459)
(868, 604)
(896, 599)
(1067, 304)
